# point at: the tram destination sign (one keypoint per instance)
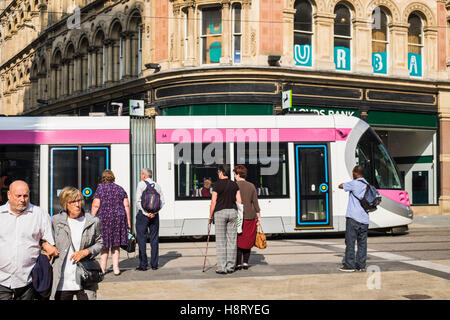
(325, 111)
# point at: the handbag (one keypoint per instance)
(131, 243)
(240, 217)
(260, 241)
(88, 271)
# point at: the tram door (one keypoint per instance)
(77, 166)
(312, 186)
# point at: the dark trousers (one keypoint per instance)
(242, 253)
(143, 225)
(355, 231)
(69, 294)
(23, 293)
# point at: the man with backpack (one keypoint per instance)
(149, 200)
(357, 223)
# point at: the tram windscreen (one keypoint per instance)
(379, 168)
(19, 162)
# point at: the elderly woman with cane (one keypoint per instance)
(223, 212)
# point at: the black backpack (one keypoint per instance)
(371, 198)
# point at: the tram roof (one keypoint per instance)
(281, 121)
(63, 123)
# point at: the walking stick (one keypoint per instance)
(207, 242)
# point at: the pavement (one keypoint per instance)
(414, 266)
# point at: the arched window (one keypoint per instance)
(380, 41)
(69, 80)
(303, 32)
(237, 33)
(342, 38)
(134, 59)
(100, 57)
(85, 64)
(43, 80)
(117, 62)
(415, 45)
(57, 74)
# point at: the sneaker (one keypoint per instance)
(345, 269)
(361, 269)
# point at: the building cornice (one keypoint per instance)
(293, 74)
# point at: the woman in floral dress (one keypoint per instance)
(112, 207)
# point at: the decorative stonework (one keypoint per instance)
(422, 8)
(394, 11)
(356, 5)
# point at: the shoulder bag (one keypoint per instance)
(260, 241)
(88, 271)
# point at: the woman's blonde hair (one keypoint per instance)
(69, 194)
(108, 176)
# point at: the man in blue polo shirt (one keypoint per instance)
(357, 223)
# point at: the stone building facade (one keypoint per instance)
(385, 61)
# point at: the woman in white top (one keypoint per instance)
(77, 235)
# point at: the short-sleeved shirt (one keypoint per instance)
(226, 194)
(19, 243)
(357, 188)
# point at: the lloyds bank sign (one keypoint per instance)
(326, 111)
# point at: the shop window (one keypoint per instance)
(237, 33)
(379, 41)
(211, 35)
(415, 45)
(303, 32)
(379, 168)
(196, 168)
(19, 163)
(267, 167)
(342, 38)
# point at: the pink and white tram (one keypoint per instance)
(296, 163)
(53, 152)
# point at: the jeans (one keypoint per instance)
(143, 224)
(24, 293)
(355, 231)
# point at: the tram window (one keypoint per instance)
(379, 168)
(19, 162)
(267, 167)
(196, 169)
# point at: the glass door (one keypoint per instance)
(94, 160)
(80, 167)
(312, 186)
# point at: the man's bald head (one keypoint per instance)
(18, 196)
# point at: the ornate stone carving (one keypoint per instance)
(356, 4)
(394, 11)
(422, 8)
